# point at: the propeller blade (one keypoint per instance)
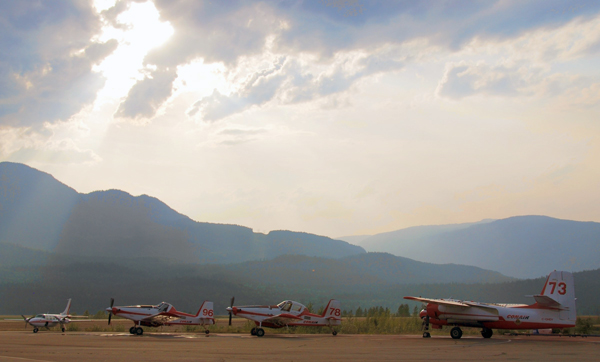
(231, 306)
(112, 302)
(26, 320)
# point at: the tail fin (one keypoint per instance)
(333, 310)
(206, 310)
(68, 308)
(559, 293)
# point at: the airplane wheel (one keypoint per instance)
(207, 331)
(139, 331)
(63, 329)
(455, 333)
(260, 332)
(253, 331)
(487, 333)
(132, 330)
(35, 330)
(334, 333)
(426, 335)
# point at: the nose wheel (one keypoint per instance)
(426, 327)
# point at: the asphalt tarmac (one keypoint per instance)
(110, 346)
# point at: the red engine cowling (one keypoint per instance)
(433, 311)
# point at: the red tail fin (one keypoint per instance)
(333, 310)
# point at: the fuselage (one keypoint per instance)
(293, 314)
(48, 320)
(139, 313)
(498, 316)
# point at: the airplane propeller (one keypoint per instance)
(230, 306)
(112, 302)
(26, 320)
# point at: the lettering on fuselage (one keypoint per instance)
(306, 318)
(515, 316)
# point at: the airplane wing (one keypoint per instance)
(162, 318)
(439, 301)
(282, 319)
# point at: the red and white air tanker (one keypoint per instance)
(554, 307)
(163, 314)
(287, 313)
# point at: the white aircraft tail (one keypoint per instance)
(333, 310)
(206, 311)
(67, 309)
(559, 293)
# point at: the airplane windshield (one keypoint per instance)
(285, 306)
(162, 307)
(39, 316)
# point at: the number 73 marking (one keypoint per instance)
(562, 288)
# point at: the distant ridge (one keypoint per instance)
(520, 246)
(39, 212)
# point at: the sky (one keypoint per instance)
(329, 117)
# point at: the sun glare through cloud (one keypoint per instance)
(140, 31)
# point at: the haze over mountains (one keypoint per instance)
(521, 246)
(39, 212)
(56, 243)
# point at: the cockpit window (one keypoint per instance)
(39, 316)
(297, 307)
(162, 307)
(285, 306)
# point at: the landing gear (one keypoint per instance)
(260, 332)
(253, 331)
(426, 327)
(63, 329)
(206, 331)
(139, 331)
(35, 330)
(456, 333)
(487, 333)
(334, 332)
(132, 330)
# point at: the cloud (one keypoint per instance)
(228, 32)
(462, 80)
(291, 80)
(146, 96)
(46, 60)
(26, 145)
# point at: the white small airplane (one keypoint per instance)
(161, 314)
(287, 313)
(554, 307)
(50, 320)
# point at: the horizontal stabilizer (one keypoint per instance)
(547, 302)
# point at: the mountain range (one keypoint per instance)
(520, 246)
(39, 212)
(56, 243)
